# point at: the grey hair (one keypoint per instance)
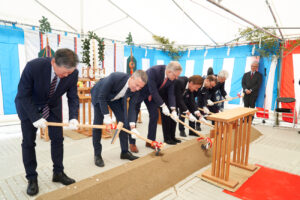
(140, 74)
(66, 58)
(174, 66)
(223, 74)
(255, 62)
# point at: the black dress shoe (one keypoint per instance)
(32, 188)
(128, 156)
(193, 134)
(171, 142)
(99, 161)
(198, 128)
(176, 140)
(62, 178)
(182, 134)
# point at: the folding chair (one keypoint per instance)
(282, 110)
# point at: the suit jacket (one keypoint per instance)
(107, 88)
(33, 91)
(185, 99)
(156, 76)
(202, 97)
(221, 87)
(252, 84)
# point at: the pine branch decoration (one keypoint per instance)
(168, 47)
(86, 47)
(44, 25)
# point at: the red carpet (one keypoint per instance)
(268, 183)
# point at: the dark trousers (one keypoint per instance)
(168, 127)
(153, 117)
(28, 147)
(213, 109)
(191, 124)
(118, 110)
(249, 100)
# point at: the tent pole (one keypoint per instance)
(81, 17)
(194, 22)
(56, 15)
(229, 11)
(131, 17)
(282, 27)
(272, 13)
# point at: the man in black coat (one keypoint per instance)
(219, 90)
(42, 84)
(203, 95)
(113, 91)
(185, 102)
(251, 83)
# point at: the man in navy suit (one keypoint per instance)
(251, 83)
(160, 82)
(42, 84)
(113, 91)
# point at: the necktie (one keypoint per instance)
(252, 75)
(162, 85)
(125, 105)
(46, 109)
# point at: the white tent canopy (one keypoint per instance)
(114, 19)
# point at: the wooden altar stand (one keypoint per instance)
(240, 120)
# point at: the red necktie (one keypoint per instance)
(252, 75)
(46, 109)
(162, 85)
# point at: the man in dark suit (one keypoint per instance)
(203, 96)
(251, 83)
(113, 91)
(160, 82)
(185, 103)
(42, 84)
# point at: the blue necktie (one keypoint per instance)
(46, 109)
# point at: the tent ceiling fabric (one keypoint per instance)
(161, 17)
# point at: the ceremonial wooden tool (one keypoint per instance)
(112, 126)
(158, 145)
(201, 109)
(207, 139)
(238, 96)
(185, 116)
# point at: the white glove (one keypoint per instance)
(197, 113)
(107, 119)
(206, 110)
(41, 123)
(113, 119)
(192, 118)
(210, 103)
(165, 109)
(228, 98)
(133, 136)
(174, 115)
(203, 120)
(73, 124)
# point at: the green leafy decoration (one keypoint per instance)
(44, 25)
(129, 40)
(86, 47)
(168, 47)
(269, 45)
